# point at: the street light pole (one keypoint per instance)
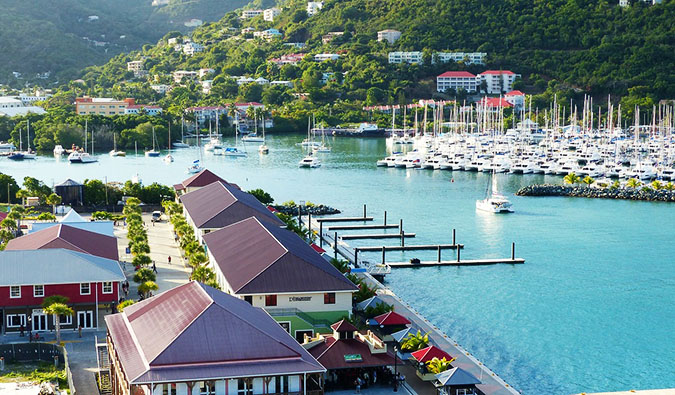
(395, 369)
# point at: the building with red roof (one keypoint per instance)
(68, 237)
(194, 339)
(427, 354)
(275, 269)
(391, 318)
(456, 80)
(494, 102)
(498, 81)
(517, 98)
(199, 180)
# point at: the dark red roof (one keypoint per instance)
(317, 248)
(331, 354)
(508, 72)
(69, 237)
(458, 74)
(201, 179)
(343, 326)
(495, 102)
(220, 204)
(391, 318)
(194, 332)
(515, 93)
(427, 354)
(260, 258)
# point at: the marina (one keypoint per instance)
(571, 286)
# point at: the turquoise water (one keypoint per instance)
(591, 309)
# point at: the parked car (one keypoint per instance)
(156, 216)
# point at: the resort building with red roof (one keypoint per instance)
(275, 269)
(498, 81)
(456, 80)
(194, 339)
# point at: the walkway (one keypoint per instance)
(162, 246)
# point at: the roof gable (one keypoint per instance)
(72, 216)
(457, 376)
(201, 179)
(460, 74)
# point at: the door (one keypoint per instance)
(300, 335)
(85, 319)
(39, 322)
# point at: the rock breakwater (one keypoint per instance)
(646, 194)
(318, 209)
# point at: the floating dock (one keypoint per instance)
(465, 262)
(377, 236)
(421, 247)
(362, 227)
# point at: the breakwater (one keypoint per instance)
(318, 209)
(647, 194)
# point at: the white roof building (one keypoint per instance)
(313, 7)
(405, 57)
(246, 14)
(389, 35)
(271, 13)
(322, 57)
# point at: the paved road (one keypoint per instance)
(82, 360)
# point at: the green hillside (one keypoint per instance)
(42, 35)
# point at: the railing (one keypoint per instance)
(274, 312)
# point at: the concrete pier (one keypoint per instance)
(464, 262)
(377, 236)
(363, 227)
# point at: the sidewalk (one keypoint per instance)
(162, 245)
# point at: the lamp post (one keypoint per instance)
(395, 369)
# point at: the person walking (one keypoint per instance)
(169, 259)
(154, 267)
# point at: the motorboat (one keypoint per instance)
(253, 138)
(180, 144)
(7, 147)
(195, 167)
(213, 144)
(310, 161)
(59, 150)
(389, 161)
(234, 151)
(81, 157)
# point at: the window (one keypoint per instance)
(249, 299)
(169, 389)
(281, 384)
(107, 287)
(66, 319)
(207, 388)
(244, 387)
(85, 289)
(38, 291)
(16, 320)
(270, 300)
(15, 291)
(329, 298)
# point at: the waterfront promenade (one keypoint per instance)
(491, 382)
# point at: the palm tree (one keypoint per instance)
(146, 288)
(140, 248)
(144, 274)
(414, 342)
(615, 185)
(251, 114)
(340, 264)
(633, 183)
(54, 200)
(656, 185)
(141, 260)
(588, 180)
(56, 305)
(669, 186)
(439, 365)
(572, 179)
(203, 274)
(22, 194)
(46, 217)
(197, 259)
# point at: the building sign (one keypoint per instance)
(353, 358)
(38, 311)
(299, 298)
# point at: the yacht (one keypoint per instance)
(264, 149)
(153, 153)
(114, 151)
(168, 158)
(310, 161)
(253, 138)
(59, 150)
(494, 202)
(7, 147)
(81, 157)
(179, 144)
(195, 167)
(389, 161)
(213, 144)
(234, 151)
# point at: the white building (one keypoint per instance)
(179, 75)
(162, 89)
(498, 81)
(10, 102)
(623, 3)
(322, 57)
(405, 57)
(30, 99)
(517, 98)
(192, 48)
(288, 84)
(388, 35)
(313, 7)
(457, 80)
(268, 34)
(138, 108)
(205, 72)
(135, 66)
(271, 13)
(247, 14)
(206, 86)
(466, 57)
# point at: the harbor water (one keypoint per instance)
(592, 309)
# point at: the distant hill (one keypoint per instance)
(64, 36)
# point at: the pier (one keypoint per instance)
(465, 262)
(363, 227)
(377, 236)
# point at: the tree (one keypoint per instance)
(54, 200)
(657, 185)
(22, 194)
(8, 184)
(415, 342)
(572, 179)
(197, 259)
(364, 292)
(380, 309)
(340, 264)
(46, 217)
(669, 186)
(262, 196)
(588, 180)
(139, 248)
(633, 183)
(203, 274)
(146, 288)
(141, 261)
(437, 366)
(56, 305)
(144, 274)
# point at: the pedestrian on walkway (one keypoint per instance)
(154, 267)
(358, 385)
(169, 259)
(79, 330)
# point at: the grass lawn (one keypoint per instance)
(36, 372)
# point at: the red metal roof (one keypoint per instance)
(201, 179)
(260, 258)
(331, 354)
(69, 237)
(459, 74)
(391, 318)
(515, 93)
(317, 248)
(508, 72)
(220, 204)
(196, 332)
(495, 102)
(427, 354)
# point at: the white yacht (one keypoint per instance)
(494, 202)
(310, 161)
(195, 167)
(59, 150)
(253, 138)
(81, 157)
(7, 147)
(234, 151)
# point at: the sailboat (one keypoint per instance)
(494, 202)
(310, 161)
(234, 151)
(153, 153)
(28, 154)
(323, 148)
(308, 142)
(83, 156)
(253, 137)
(196, 166)
(114, 151)
(168, 158)
(264, 149)
(17, 155)
(181, 143)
